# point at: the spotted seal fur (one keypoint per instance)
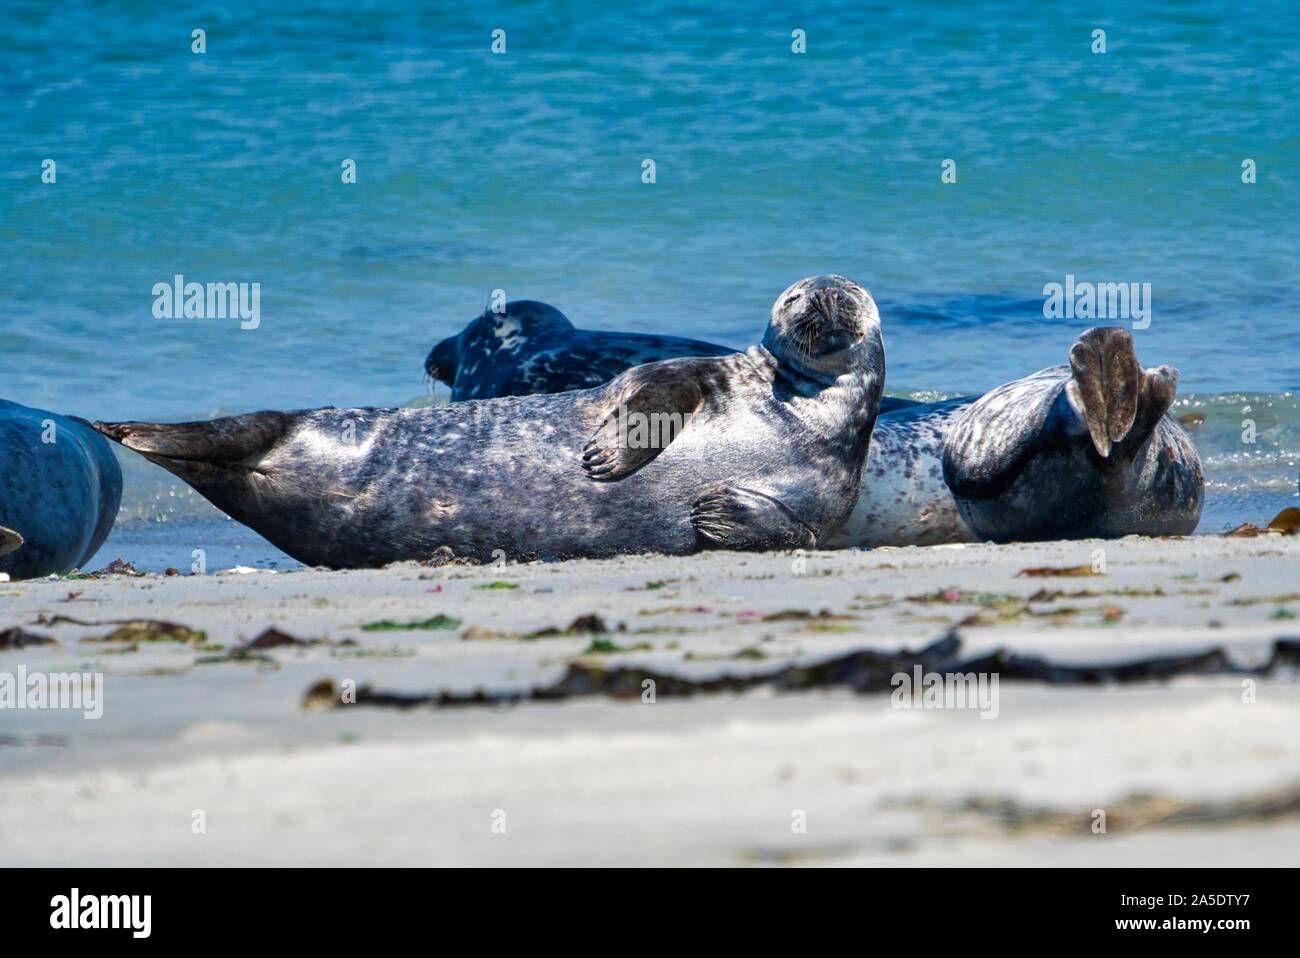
(529, 347)
(764, 450)
(1025, 461)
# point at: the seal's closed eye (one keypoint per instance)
(822, 323)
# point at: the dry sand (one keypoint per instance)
(1197, 769)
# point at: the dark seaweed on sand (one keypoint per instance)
(16, 637)
(864, 671)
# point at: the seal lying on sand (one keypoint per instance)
(1069, 452)
(755, 450)
(60, 488)
(1077, 451)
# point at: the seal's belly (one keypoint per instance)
(904, 500)
(509, 479)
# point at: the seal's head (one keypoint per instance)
(826, 326)
(491, 333)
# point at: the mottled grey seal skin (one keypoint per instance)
(1080, 451)
(904, 499)
(1070, 452)
(960, 470)
(532, 348)
(770, 456)
(58, 500)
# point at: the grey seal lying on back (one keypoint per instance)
(1031, 460)
(60, 488)
(1081, 449)
(755, 450)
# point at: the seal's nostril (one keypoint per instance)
(824, 301)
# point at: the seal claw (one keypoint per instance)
(605, 463)
(733, 517)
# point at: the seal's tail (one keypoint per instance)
(10, 540)
(1119, 400)
(195, 450)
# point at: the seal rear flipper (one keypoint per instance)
(733, 517)
(1117, 399)
(645, 409)
(9, 540)
(196, 451)
(1156, 395)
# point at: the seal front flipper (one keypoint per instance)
(644, 410)
(195, 450)
(733, 517)
(1114, 395)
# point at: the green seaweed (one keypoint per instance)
(394, 653)
(604, 646)
(1268, 599)
(239, 655)
(439, 621)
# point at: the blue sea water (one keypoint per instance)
(523, 171)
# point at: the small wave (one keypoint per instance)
(1249, 442)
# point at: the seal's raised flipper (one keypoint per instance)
(1079, 451)
(1116, 397)
(9, 540)
(646, 409)
(733, 517)
(194, 449)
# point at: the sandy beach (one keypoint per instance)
(213, 751)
